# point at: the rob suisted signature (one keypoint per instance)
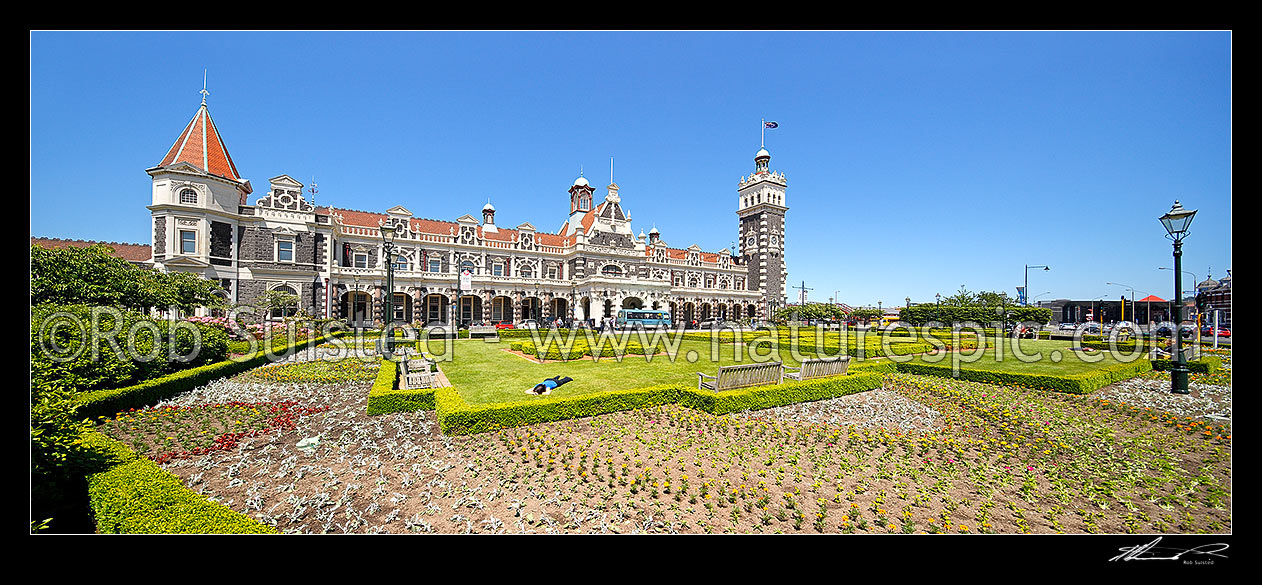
(1150, 551)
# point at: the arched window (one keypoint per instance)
(288, 309)
(612, 270)
(400, 263)
(188, 197)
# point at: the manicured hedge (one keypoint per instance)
(456, 417)
(1083, 383)
(386, 397)
(110, 402)
(773, 395)
(133, 495)
(578, 350)
(142, 498)
(1205, 365)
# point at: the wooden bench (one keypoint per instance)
(742, 376)
(415, 372)
(819, 368)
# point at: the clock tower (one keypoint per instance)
(761, 210)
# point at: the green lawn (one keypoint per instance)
(487, 373)
(1042, 357)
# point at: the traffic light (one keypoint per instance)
(1202, 302)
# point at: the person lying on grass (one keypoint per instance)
(546, 386)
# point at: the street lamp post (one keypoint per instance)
(387, 239)
(1176, 222)
(1025, 292)
(1179, 300)
(937, 315)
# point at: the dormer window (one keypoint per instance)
(188, 197)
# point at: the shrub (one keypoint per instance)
(143, 354)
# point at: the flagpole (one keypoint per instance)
(762, 139)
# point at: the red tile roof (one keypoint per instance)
(201, 146)
(432, 226)
(128, 252)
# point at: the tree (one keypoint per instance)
(280, 301)
(94, 276)
(809, 312)
(961, 298)
(864, 315)
(994, 299)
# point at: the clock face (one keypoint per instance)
(774, 240)
(751, 241)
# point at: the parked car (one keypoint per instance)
(504, 325)
(1068, 326)
(1165, 331)
(1209, 332)
(529, 324)
(1091, 327)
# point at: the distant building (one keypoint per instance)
(138, 254)
(1108, 310)
(1218, 296)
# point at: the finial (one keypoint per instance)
(313, 190)
(203, 91)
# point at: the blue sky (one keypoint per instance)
(917, 161)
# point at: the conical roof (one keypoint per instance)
(201, 146)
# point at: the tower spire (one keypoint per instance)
(203, 91)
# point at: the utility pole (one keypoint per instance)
(802, 291)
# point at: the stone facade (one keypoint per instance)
(590, 268)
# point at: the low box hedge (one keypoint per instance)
(133, 495)
(456, 417)
(1207, 364)
(385, 396)
(1083, 383)
(109, 402)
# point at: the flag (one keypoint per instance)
(1021, 294)
(770, 125)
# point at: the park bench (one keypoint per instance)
(415, 371)
(483, 331)
(742, 376)
(819, 368)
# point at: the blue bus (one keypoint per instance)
(642, 319)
